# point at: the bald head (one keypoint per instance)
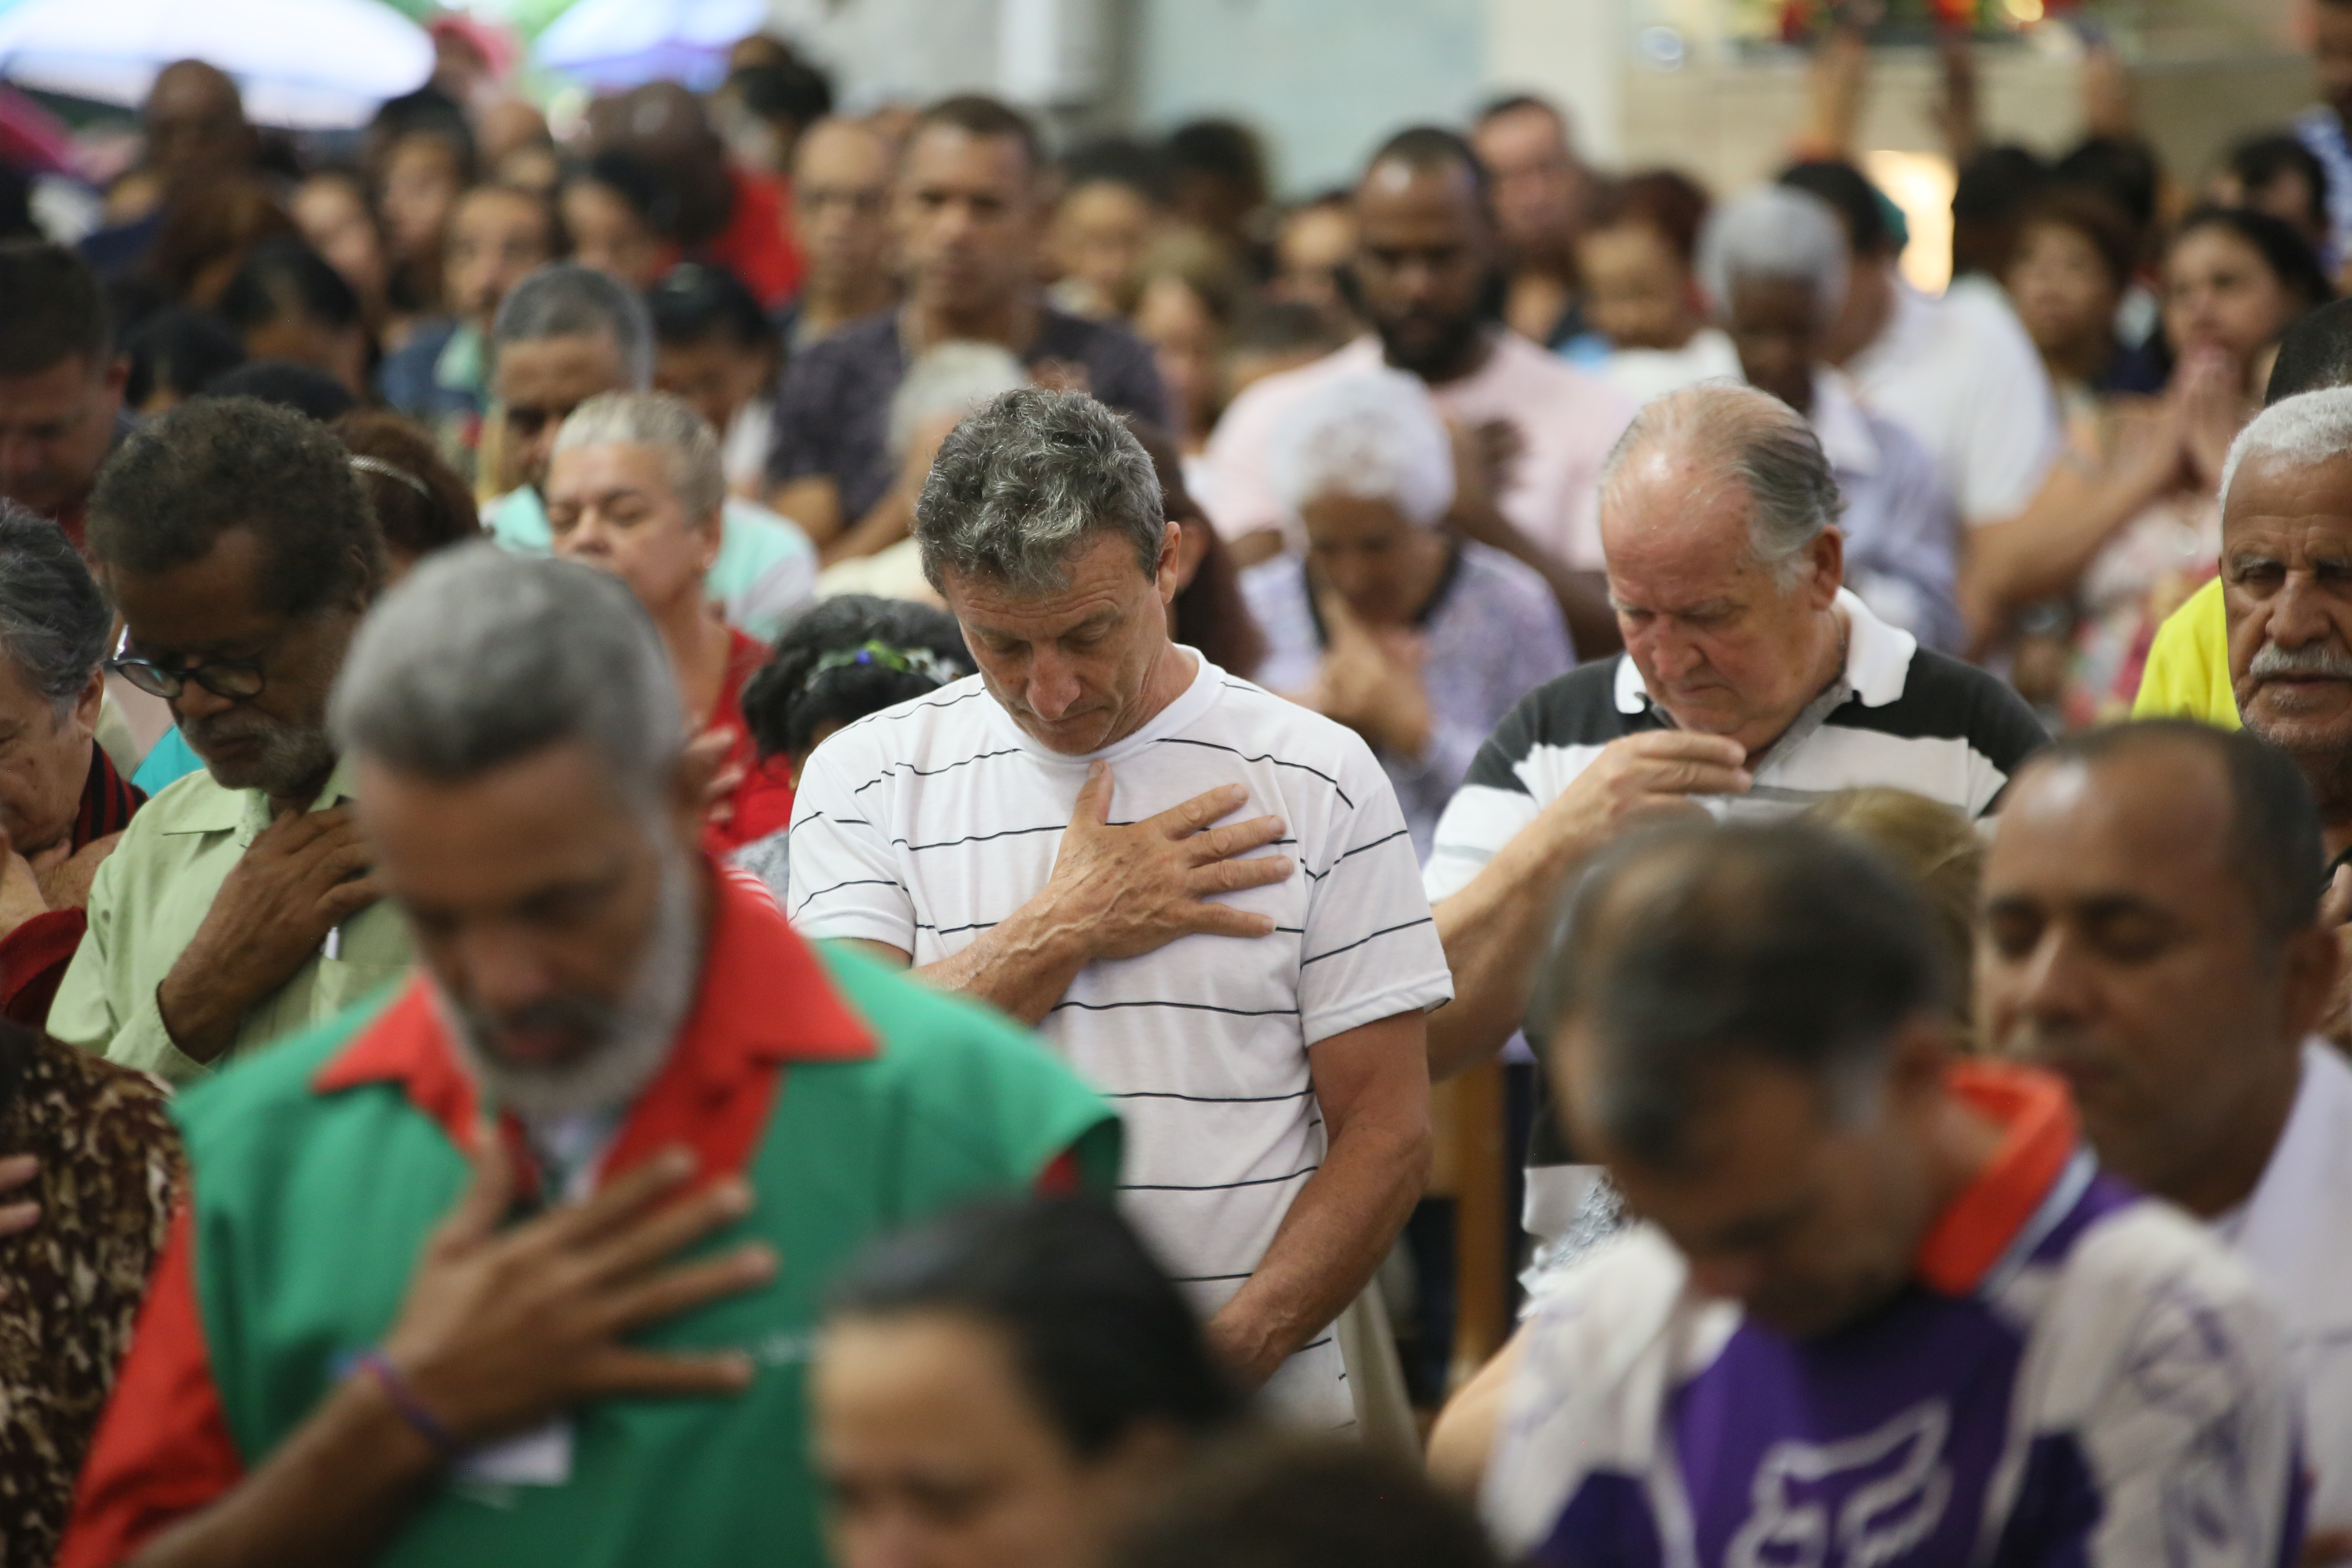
(195, 125)
(1718, 441)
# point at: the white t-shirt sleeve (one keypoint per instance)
(2012, 429)
(1371, 949)
(843, 873)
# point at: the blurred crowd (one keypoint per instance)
(762, 834)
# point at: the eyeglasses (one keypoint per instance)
(239, 679)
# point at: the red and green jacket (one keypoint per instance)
(853, 1101)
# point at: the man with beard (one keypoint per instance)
(1883, 1307)
(1530, 434)
(524, 1268)
(60, 382)
(241, 554)
(2151, 934)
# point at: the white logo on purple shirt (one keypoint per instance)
(1862, 1502)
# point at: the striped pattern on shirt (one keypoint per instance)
(924, 826)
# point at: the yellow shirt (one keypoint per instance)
(2188, 673)
(148, 899)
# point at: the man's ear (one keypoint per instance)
(1827, 553)
(91, 699)
(1171, 575)
(1192, 549)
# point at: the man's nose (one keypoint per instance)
(1053, 686)
(2299, 614)
(501, 970)
(196, 702)
(1671, 658)
(2051, 985)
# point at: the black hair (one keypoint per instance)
(1424, 147)
(429, 112)
(2314, 352)
(2121, 168)
(179, 348)
(1685, 948)
(282, 277)
(786, 701)
(1994, 190)
(637, 183)
(1513, 103)
(2260, 161)
(1222, 150)
(1103, 1340)
(696, 301)
(1855, 198)
(1210, 613)
(2275, 847)
(181, 481)
(788, 89)
(300, 388)
(2094, 216)
(421, 505)
(1119, 160)
(977, 114)
(2286, 253)
(1304, 1504)
(51, 309)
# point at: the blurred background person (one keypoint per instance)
(611, 207)
(1417, 640)
(841, 216)
(424, 157)
(1010, 1386)
(1218, 184)
(286, 303)
(441, 378)
(1328, 1505)
(173, 354)
(2128, 536)
(1210, 613)
(1187, 294)
(1312, 248)
(330, 207)
(205, 234)
(969, 212)
(1773, 260)
(714, 347)
(1113, 206)
(1541, 189)
(61, 382)
(701, 206)
(2067, 276)
(1646, 326)
(2278, 175)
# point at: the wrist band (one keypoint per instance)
(378, 1365)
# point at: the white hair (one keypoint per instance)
(1777, 233)
(2308, 428)
(696, 474)
(954, 377)
(1375, 435)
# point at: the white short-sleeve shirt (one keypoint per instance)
(923, 826)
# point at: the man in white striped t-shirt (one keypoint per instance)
(1054, 835)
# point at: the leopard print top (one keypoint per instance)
(71, 1286)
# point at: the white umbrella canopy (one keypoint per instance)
(310, 65)
(611, 44)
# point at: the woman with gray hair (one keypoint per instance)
(1416, 639)
(636, 488)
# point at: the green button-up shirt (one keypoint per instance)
(145, 905)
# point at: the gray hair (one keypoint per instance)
(656, 419)
(481, 658)
(1753, 439)
(2308, 428)
(1779, 234)
(1024, 483)
(955, 377)
(1376, 435)
(53, 619)
(563, 299)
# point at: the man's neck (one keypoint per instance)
(301, 799)
(1172, 674)
(2226, 1174)
(1009, 323)
(830, 302)
(699, 645)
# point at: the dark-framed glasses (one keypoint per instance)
(238, 680)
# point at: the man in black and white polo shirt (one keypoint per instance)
(1072, 834)
(1752, 683)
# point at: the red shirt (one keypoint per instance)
(762, 802)
(33, 957)
(757, 244)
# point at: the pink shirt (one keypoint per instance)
(1566, 422)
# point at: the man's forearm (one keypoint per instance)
(1329, 1246)
(336, 1491)
(1493, 931)
(1021, 966)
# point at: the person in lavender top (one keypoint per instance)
(1417, 640)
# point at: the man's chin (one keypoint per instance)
(2301, 715)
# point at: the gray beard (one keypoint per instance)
(636, 1035)
(288, 758)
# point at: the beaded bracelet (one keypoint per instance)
(378, 1365)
